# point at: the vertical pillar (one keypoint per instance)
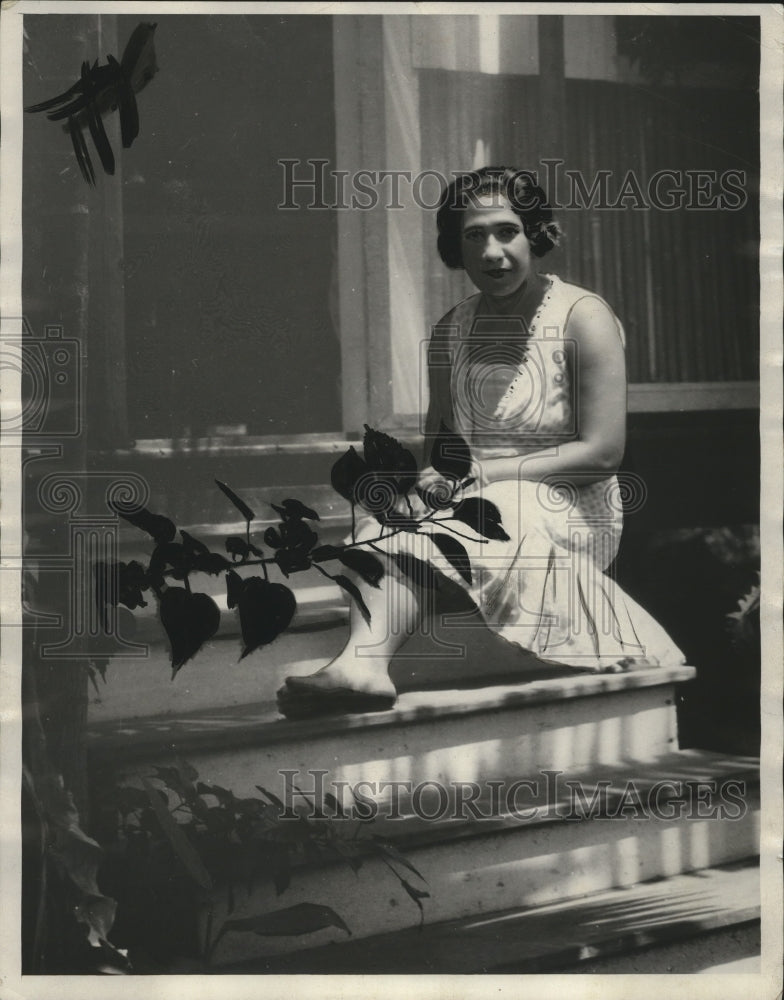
(552, 86)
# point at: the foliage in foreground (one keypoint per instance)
(381, 482)
(183, 844)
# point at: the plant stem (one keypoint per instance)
(454, 531)
(323, 572)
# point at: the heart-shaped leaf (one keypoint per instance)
(455, 553)
(450, 454)
(189, 620)
(266, 610)
(483, 516)
(346, 473)
(365, 564)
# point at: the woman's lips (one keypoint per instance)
(498, 272)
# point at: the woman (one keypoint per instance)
(530, 371)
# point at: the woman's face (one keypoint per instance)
(496, 251)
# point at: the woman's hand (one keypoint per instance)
(444, 486)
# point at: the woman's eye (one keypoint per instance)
(474, 236)
(509, 232)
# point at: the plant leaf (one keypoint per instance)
(237, 546)
(346, 473)
(417, 895)
(304, 918)
(450, 454)
(168, 555)
(210, 562)
(159, 527)
(241, 506)
(365, 564)
(390, 851)
(350, 588)
(266, 610)
(434, 499)
(456, 554)
(129, 799)
(180, 844)
(325, 552)
(234, 587)
(295, 510)
(292, 561)
(273, 538)
(189, 620)
(385, 454)
(333, 804)
(272, 797)
(418, 571)
(193, 545)
(483, 516)
(133, 580)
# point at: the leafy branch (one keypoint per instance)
(382, 482)
(212, 837)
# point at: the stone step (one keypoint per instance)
(547, 938)
(454, 649)
(566, 722)
(470, 867)
(142, 686)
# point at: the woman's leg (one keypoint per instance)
(363, 663)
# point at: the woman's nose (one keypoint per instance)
(493, 249)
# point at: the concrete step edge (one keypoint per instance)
(543, 938)
(259, 724)
(697, 778)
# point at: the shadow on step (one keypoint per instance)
(468, 655)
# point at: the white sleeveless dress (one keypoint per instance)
(544, 589)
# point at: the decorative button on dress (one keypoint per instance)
(508, 390)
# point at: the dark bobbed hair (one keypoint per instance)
(518, 187)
